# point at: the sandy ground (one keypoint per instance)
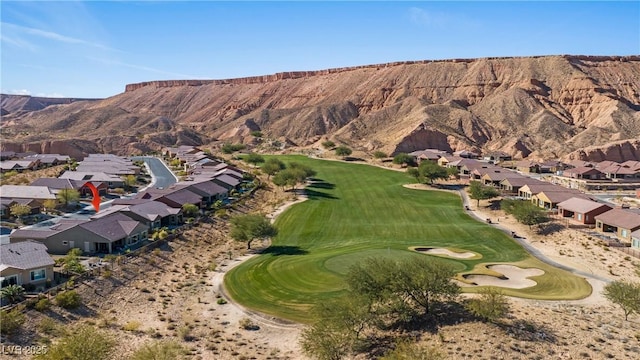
(449, 253)
(514, 277)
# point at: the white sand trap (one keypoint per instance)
(514, 277)
(449, 253)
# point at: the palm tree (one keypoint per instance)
(13, 293)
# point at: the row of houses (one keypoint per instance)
(130, 220)
(624, 223)
(31, 161)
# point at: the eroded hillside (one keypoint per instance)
(534, 106)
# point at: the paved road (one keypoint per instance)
(161, 176)
(531, 249)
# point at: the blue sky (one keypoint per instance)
(93, 49)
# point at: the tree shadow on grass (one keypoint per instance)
(321, 185)
(278, 250)
(316, 195)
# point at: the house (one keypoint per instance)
(112, 181)
(466, 154)
(527, 191)
(552, 166)
(512, 185)
(49, 159)
(549, 199)
(104, 235)
(617, 171)
(584, 172)
(37, 193)
(19, 165)
(580, 163)
(428, 154)
(528, 166)
(207, 189)
(57, 184)
(153, 214)
(7, 155)
(26, 263)
(444, 160)
(172, 152)
(635, 239)
(497, 156)
(495, 176)
(581, 210)
(175, 196)
(621, 222)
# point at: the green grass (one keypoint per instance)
(361, 211)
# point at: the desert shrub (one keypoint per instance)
(82, 343)
(11, 321)
(42, 304)
(247, 324)
(221, 301)
(159, 350)
(49, 326)
(68, 299)
(131, 326)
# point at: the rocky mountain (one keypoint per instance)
(11, 104)
(542, 107)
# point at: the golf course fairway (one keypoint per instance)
(356, 211)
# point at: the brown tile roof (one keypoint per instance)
(560, 196)
(620, 218)
(582, 206)
(114, 227)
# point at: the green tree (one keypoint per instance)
(190, 210)
(431, 171)
(20, 210)
(453, 172)
(11, 321)
(403, 287)
(159, 350)
(308, 171)
(287, 177)
(250, 227)
(406, 350)
(68, 196)
(82, 343)
(379, 154)
(525, 212)
(478, 192)
(414, 172)
(129, 181)
(272, 166)
(343, 151)
(490, 305)
(328, 144)
(49, 204)
(404, 159)
(71, 262)
(254, 159)
(13, 293)
(424, 281)
(624, 294)
(323, 342)
(231, 148)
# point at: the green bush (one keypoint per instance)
(82, 343)
(221, 301)
(42, 305)
(231, 148)
(11, 321)
(68, 299)
(159, 350)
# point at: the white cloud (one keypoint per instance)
(54, 36)
(50, 95)
(144, 68)
(18, 92)
(17, 42)
(427, 18)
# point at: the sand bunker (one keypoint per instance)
(446, 252)
(514, 277)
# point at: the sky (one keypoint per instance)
(92, 49)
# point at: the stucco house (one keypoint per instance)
(621, 222)
(25, 263)
(581, 210)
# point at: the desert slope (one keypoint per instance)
(530, 106)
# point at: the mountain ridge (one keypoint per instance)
(541, 107)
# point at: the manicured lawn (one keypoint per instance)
(361, 211)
